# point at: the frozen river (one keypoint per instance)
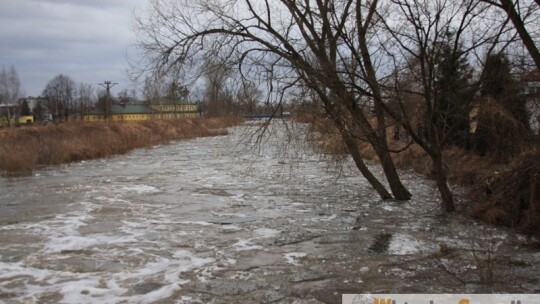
(211, 221)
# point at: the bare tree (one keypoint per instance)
(85, 98)
(248, 96)
(123, 96)
(432, 44)
(60, 94)
(10, 91)
(153, 88)
(165, 85)
(292, 43)
(218, 95)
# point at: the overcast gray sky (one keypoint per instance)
(87, 40)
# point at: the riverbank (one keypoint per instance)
(495, 192)
(24, 149)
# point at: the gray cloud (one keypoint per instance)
(87, 40)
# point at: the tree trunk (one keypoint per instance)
(447, 198)
(352, 146)
(399, 191)
(514, 16)
(373, 181)
(8, 115)
(378, 139)
(380, 144)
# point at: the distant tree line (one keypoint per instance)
(63, 99)
(218, 89)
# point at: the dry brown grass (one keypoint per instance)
(513, 200)
(27, 148)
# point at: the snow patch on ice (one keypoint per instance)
(243, 245)
(325, 219)
(404, 244)
(267, 233)
(230, 228)
(190, 261)
(240, 215)
(201, 223)
(333, 216)
(389, 208)
(140, 189)
(293, 257)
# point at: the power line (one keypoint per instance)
(107, 84)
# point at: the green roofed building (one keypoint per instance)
(138, 112)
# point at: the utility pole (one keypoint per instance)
(107, 84)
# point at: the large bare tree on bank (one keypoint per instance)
(524, 16)
(305, 38)
(433, 44)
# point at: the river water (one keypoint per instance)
(221, 220)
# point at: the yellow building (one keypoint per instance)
(174, 111)
(17, 121)
(138, 112)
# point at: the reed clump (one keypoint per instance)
(26, 148)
